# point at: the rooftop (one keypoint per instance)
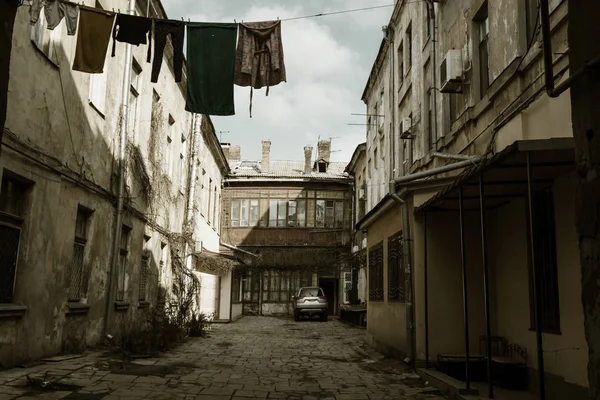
(286, 169)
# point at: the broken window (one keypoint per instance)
(78, 280)
(123, 252)
(395, 269)
(13, 194)
(376, 273)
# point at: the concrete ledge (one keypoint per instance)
(446, 384)
(76, 308)
(10, 310)
(121, 306)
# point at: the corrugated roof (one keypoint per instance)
(286, 169)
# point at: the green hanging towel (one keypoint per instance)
(210, 65)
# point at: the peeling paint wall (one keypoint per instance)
(65, 145)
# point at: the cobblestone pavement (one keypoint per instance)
(256, 357)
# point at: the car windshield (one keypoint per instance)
(309, 292)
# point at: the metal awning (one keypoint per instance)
(505, 175)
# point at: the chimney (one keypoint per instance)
(307, 159)
(324, 149)
(225, 148)
(266, 156)
(234, 153)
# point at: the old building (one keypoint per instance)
(294, 217)
(59, 289)
(470, 229)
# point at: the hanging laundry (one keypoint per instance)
(95, 26)
(162, 28)
(133, 30)
(34, 11)
(259, 56)
(210, 68)
(56, 10)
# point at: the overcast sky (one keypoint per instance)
(328, 60)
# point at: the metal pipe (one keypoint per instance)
(231, 295)
(229, 246)
(409, 274)
(426, 291)
(551, 90)
(439, 170)
(460, 157)
(537, 294)
(486, 288)
(463, 257)
(125, 92)
(433, 66)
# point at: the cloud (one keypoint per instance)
(328, 60)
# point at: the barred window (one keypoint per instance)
(396, 285)
(376, 272)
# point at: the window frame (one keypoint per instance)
(375, 271)
(396, 287)
(79, 244)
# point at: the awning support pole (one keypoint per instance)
(537, 293)
(426, 291)
(465, 290)
(486, 288)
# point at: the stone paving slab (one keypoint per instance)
(254, 358)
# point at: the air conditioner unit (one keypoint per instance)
(405, 128)
(451, 72)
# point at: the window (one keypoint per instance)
(78, 273)
(400, 64)
(281, 212)
(545, 262)
(408, 41)
(254, 212)
(320, 214)
(135, 90)
(395, 269)
(329, 214)
(236, 288)
(376, 273)
(276, 286)
(301, 211)
(292, 213)
(123, 252)
(46, 40)
(13, 195)
(339, 214)
(144, 269)
(426, 23)
(375, 158)
(214, 215)
(405, 156)
(483, 27)
(162, 291)
(239, 212)
(531, 16)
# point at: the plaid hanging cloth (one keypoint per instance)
(259, 57)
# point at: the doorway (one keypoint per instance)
(330, 288)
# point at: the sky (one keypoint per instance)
(328, 60)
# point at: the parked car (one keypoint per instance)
(310, 301)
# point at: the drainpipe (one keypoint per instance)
(431, 8)
(196, 129)
(408, 271)
(124, 114)
(460, 157)
(434, 171)
(551, 90)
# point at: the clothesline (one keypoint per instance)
(323, 14)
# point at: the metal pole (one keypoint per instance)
(465, 290)
(537, 294)
(486, 288)
(426, 292)
(124, 119)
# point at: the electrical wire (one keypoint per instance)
(338, 12)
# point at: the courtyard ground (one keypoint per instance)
(255, 357)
